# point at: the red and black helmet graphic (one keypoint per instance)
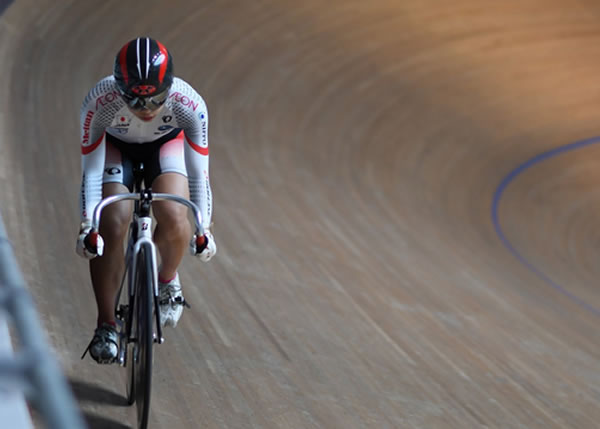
(143, 68)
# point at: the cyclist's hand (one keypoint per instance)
(204, 246)
(89, 244)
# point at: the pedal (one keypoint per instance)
(122, 311)
(106, 361)
(182, 301)
(178, 300)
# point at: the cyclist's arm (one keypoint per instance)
(196, 162)
(94, 121)
(92, 163)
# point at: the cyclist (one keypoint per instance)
(142, 113)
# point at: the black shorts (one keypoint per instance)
(164, 155)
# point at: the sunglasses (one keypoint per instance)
(148, 102)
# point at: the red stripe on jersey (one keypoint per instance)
(123, 63)
(201, 150)
(88, 149)
(163, 67)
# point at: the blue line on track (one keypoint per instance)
(495, 219)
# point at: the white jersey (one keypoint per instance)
(104, 111)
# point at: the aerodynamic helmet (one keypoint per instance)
(144, 73)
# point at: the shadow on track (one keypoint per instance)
(86, 392)
(97, 422)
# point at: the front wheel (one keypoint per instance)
(140, 350)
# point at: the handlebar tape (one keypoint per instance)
(201, 243)
(91, 242)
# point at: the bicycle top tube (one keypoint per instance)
(153, 197)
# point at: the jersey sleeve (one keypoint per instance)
(192, 116)
(92, 127)
(196, 162)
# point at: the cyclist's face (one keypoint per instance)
(146, 114)
(146, 107)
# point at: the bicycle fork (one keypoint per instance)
(144, 229)
(143, 240)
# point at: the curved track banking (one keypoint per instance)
(511, 177)
(355, 152)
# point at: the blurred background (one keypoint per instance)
(398, 245)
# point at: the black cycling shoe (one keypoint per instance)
(104, 346)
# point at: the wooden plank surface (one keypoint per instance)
(356, 148)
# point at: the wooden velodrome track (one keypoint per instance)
(379, 265)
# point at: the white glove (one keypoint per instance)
(89, 244)
(204, 246)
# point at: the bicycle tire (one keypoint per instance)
(145, 337)
(131, 353)
(129, 318)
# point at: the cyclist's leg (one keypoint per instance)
(107, 270)
(173, 231)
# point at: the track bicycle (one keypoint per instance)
(137, 311)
